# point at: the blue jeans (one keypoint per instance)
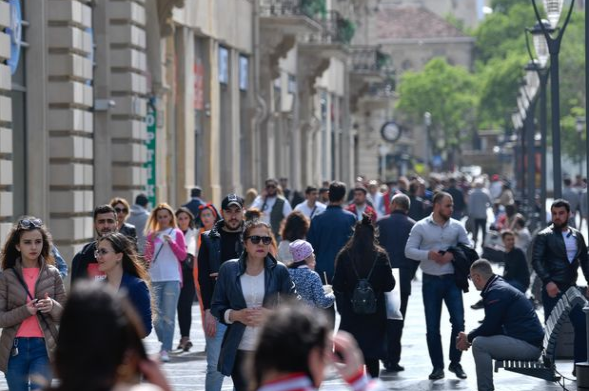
(166, 294)
(577, 317)
(435, 289)
(214, 378)
(30, 364)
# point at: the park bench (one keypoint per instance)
(545, 368)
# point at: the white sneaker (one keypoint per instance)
(164, 356)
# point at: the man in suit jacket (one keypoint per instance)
(558, 252)
(394, 232)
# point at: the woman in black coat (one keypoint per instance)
(354, 262)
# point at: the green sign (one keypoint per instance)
(151, 122)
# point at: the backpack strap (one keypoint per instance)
(371, 269)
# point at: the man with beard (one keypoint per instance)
(558, 251)
(84, 264)
(428, 241)
(222, 243)
(274, 207)
(359, 206)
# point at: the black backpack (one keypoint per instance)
(363, 297)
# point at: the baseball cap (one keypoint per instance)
(231, 199)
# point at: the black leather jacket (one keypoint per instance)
(549, 258)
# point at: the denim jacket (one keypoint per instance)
(228, 295)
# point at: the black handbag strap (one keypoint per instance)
(41, 315)
(161, 247)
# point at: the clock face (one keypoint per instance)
(390, 131)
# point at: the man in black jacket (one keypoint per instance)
(84, 264)
(511, 329)
(222, 243)
(394, 232)
(557, 253)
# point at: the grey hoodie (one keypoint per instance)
(138, 217)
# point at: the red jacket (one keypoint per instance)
(369, 211)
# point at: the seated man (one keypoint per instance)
(511, 329)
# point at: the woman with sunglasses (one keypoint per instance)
(121, 206)
(117, 259)
(31, 297)
(165, 249)
(246, 287)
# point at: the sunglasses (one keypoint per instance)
(255, 239)
(30, 223)
(101, 252)
(122, 210)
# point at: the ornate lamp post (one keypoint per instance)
(553, 10)
(539, 64)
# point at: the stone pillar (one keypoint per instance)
(128, 86)
(211, 185)
(185, 151)
(5, 125)
(69, 123)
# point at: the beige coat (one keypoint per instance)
(13, 311)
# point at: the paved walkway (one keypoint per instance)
(186, 371)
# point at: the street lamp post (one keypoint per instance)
(427, 121)
(554, 9)
(580, 126)
(539, 64)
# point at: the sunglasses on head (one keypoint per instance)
(121, 210)
(255, 239)
(30, 223)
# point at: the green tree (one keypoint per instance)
(448, 93)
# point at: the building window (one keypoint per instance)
(243, 72)
(223, 65)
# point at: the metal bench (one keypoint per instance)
(545, 368)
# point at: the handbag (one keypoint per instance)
(392, 300)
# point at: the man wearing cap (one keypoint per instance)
(274, 207)
(359, 205)
(222, 243)
(311, 207)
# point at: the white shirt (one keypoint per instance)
(311, 212)
(166, 266)
(253, 291)
(267, 209)
(570, 242)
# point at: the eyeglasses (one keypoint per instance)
(255, 239)
(30, 223)
(270, 186)
(122, 210)
(101, 252)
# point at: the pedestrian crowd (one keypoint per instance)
(269, 272)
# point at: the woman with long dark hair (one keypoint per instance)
(117, 258)
(31, 298)
(113, 355)
(363, 258)
(246, 288)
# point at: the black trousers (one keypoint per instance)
(373, 367)
(187, 294)
(239, 374)
(395, 332)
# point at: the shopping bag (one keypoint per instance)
(393, 299)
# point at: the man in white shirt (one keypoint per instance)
(311, 207)
(274, 208)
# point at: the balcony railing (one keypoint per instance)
(370, 59)
(337, 29)
(286, 8)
